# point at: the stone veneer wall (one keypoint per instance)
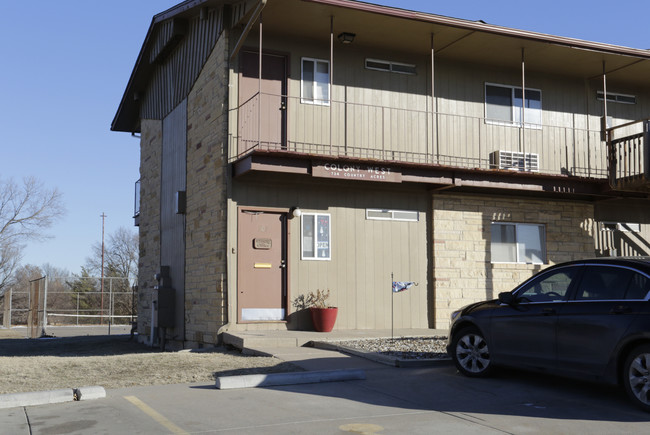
(462, 270)
(205, 232)
(149, 229)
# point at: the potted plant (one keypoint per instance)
(323, 316)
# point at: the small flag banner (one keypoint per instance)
(399, 286)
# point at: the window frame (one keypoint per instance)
(615, 97)
(392, 67)
(314, 82)
(392, 217)
(518, 243)
(514, 108)
(314, 245)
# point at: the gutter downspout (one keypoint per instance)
(249, 25)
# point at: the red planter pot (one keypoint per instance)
(323, 318)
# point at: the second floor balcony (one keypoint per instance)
(340, 129)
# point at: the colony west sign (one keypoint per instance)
(354, 171)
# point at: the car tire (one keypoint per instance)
(470, 353)
(636, 376)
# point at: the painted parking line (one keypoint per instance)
(155, 415)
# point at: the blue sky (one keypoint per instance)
(66, 64)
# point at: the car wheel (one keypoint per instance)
(470, 353)
(636, 376)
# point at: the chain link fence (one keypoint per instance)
(68, 301)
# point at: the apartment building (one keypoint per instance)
(295, 145)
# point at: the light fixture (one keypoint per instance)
(346, 37)
(295, 212)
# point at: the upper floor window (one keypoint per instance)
(617, 98)
(315, 81)
(626, 227)
(503, 106)
(518, 243)
(389, 66)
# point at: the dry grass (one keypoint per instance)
(114, 362)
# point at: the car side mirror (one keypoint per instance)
(507, 298)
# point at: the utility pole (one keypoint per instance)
(101, 313)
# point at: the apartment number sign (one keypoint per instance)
(352, 171)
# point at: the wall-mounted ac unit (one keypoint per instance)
(514, 160)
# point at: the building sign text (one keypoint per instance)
(353, 171)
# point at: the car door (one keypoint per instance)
(524, 333)
(606, 302)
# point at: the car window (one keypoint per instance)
(639, 287)
(604, 283)
(552, 286)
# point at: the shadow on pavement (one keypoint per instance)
(507, 393)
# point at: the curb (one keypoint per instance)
(293, 378)
(379, 358)
(34, 398)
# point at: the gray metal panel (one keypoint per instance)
(174, 76)
(172, 225)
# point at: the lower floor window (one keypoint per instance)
(518, 243)
(315, 235)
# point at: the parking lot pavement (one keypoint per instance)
(390, 400)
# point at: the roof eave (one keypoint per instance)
(484, 27)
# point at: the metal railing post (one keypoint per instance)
(645, 149)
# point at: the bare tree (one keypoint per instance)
(120, 255)
(26, 210)
(121, 251)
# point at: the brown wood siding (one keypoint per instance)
(173, 79)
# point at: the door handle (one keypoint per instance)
(548, 311)
(283, 105)
(283, 265)
(621, 309)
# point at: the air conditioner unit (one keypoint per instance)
(514, 160)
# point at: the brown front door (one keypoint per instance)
(265, 125)
(262, 266)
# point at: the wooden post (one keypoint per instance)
(7, 309)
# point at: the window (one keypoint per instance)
(617, 98)
(315, 81)
(606, 283)
(503, 106)
(518, 243)
(552, 286)
(315, 236)
(392, 215)
(624, 227)
(388, 66)
(638, 288)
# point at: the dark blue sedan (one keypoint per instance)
(588, 319)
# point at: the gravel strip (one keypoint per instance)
(404, 347)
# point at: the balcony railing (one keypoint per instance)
(367, 131)
(629, 156)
